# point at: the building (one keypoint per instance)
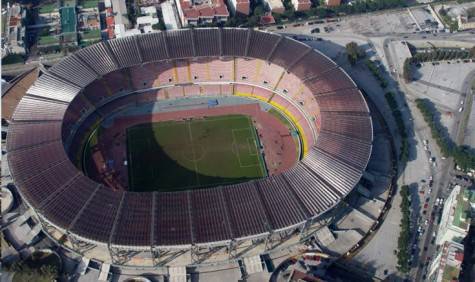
(170, 18)
(148, 19)
(15, 31)
(145, 23)
(465, 22)
(239, 7)
(120, 12)
(201, 12)
(447, 264)
(267, 19)
(275, 6)
(455, 220)
(110, 23)
(332, 3)
(301, 5)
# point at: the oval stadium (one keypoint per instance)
(187, 140)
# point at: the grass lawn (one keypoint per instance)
(47, 40)
(87, 4)
(12, 59)
(178, 155)
(48, 8)
(91, 34)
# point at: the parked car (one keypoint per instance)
(315, 30)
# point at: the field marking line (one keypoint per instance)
(260, 157)
(249, 146)
(237, 153)
(193, 152)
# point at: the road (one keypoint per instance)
(441, 173)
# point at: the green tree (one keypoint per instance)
(403, 253)
(159, 26)
(407, 70)
(354, 52)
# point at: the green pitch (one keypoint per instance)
(177, 155)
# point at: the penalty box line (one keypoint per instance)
(247, 142)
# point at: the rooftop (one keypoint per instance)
(463, 208)
(205, 9)
(450, 261)
(169, 16)
(15, 92)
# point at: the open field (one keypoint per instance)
(176, 155)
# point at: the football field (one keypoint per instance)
(177, 155)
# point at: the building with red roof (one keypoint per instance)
(110, 23)
(333, 3)
(201, 12)
(267, 19)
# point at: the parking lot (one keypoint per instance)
(365, 24)
(424, 19)
(443, 84)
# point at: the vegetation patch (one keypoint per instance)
(463, 155)
(13, 59)
(354, 52)
(88, 4)
(39, 267)
(48, 8)
(48, 40)
(403, 253)
(393, 105)
(448, 21)
(377, 73)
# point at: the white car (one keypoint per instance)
(460, 109)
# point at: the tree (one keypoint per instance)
(404, 236)
(159, 26)
(353, 52)
(406, 71)
(259, 10)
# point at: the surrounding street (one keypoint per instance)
(413, 175)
